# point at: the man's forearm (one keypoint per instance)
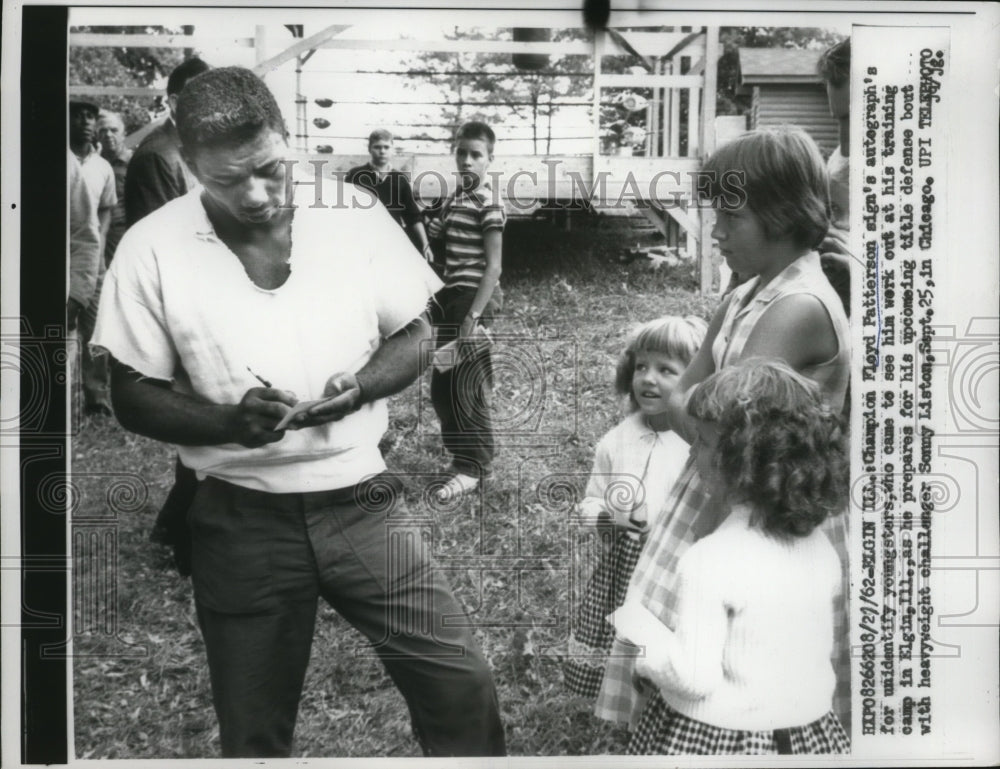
(150, 408)
(397, 362)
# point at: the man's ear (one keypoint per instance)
(172, 104)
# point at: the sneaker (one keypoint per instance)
(451, 469)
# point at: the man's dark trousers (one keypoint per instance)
(260, 562)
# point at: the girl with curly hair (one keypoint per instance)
(747, 667)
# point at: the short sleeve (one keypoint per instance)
(494, 218)
(401, 282)
(131, 324)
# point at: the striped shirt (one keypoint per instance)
(467, 217)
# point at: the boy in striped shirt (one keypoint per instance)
(471, 230)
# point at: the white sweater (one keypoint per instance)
(754, 629)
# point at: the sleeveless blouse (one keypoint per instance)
(803, 276)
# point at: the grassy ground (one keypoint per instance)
(140, 679)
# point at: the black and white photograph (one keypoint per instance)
(594, 379)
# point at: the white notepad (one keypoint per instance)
(298, 408)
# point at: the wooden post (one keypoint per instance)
(675, 115)
(650, 128)
(694, 122)
(656, 107)
(707, 148)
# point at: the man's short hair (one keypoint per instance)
(183, 72)
(834, 66)
(379, 134)
(229, 105)
(477, 130)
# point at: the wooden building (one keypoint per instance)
(786, 89)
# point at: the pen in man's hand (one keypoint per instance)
(260, 378)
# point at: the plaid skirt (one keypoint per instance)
(664, 731)
(592, 636)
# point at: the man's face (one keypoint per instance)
(246, 182)
(82, 125)
(111, 133)
(472, 158)
(381, 151)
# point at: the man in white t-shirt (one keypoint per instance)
(210, 300)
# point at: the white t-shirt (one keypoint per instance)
(178, 305)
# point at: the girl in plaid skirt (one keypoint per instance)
(747, 668)
(635, 465)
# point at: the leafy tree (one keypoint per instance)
(120, 66)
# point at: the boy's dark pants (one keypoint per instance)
(261, 561)
(463, 395)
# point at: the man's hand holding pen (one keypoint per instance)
(341, 396)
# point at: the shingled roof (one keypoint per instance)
(759, 66)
